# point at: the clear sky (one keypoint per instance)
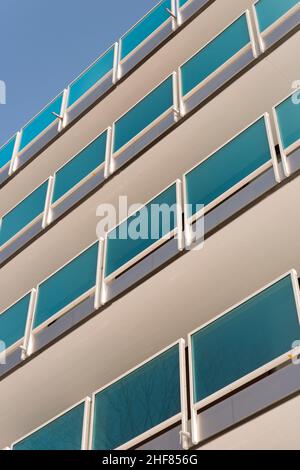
(45, 44)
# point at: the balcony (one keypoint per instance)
(275, 19)
(65, 432)
(6, 154)
(287, 121)
(145, 122)
(23, 222)
(217, 62)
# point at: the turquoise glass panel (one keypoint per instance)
(245, 339)
(91, 76)
(138, 402)
(145, 28)
(23, 213)
(215, 54)
(144, 113)
(141, 230)
(269, 11)
(228, 166)
(288, 114)
(41, 122)
(80, 166)
(13, 322)
(6, 152)
(66, 285)
(64, 433)
(183, 2)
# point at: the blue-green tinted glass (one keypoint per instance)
(228, 166)
(288, 114)
(246, 338)
(215, 54)
(89, 78)
(269, 11)
(144, 113)
(64, 433)
(41, 122)
(23, 213)
(141, 230)
(66, 285)
(182, 2)
(138, 402)
(6, 152)
(80, 166)
(145, 28)
(13, 322)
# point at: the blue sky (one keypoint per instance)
(47, 43)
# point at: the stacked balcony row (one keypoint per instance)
(236, 347)
(209, 183)
(221, 59)
(169, 223)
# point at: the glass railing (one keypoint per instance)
(95, 73)
(143, 114)
(13, 322)
(62, 433)
(145, 28)
(25, 213)
(6, 152)
(215, 54)
(41, 122)
(183, 2)
(137, 402)
(66, 287)
(270, 11)
(127, 242)
(79, 167)
(224, 170)
(246, 341)
(288, 119)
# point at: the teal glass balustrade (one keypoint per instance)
(141, 230)
(66, 285)
(6, 152)
(245, 339)
(269, 11)
(288, 116)
(63, 433)
(13, 322)
(80, 166)
(215, 54)
(183, 2)
(41, 122)
(97, 71)
(137, 402)
(228, 166)
(144, 113)
(144, 28)
(24, 213)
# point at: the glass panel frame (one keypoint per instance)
(58, 104)
(41, 215)
(181, 416)
(249, 45)
(73, 102)
(285, 151)
(137, 46)
(198, 405)
(102, 165)
(85, 423)
(36, 328)
(190, 219)
(117, 149)
(178, 230)
(28, 297)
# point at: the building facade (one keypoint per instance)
(141, 334)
